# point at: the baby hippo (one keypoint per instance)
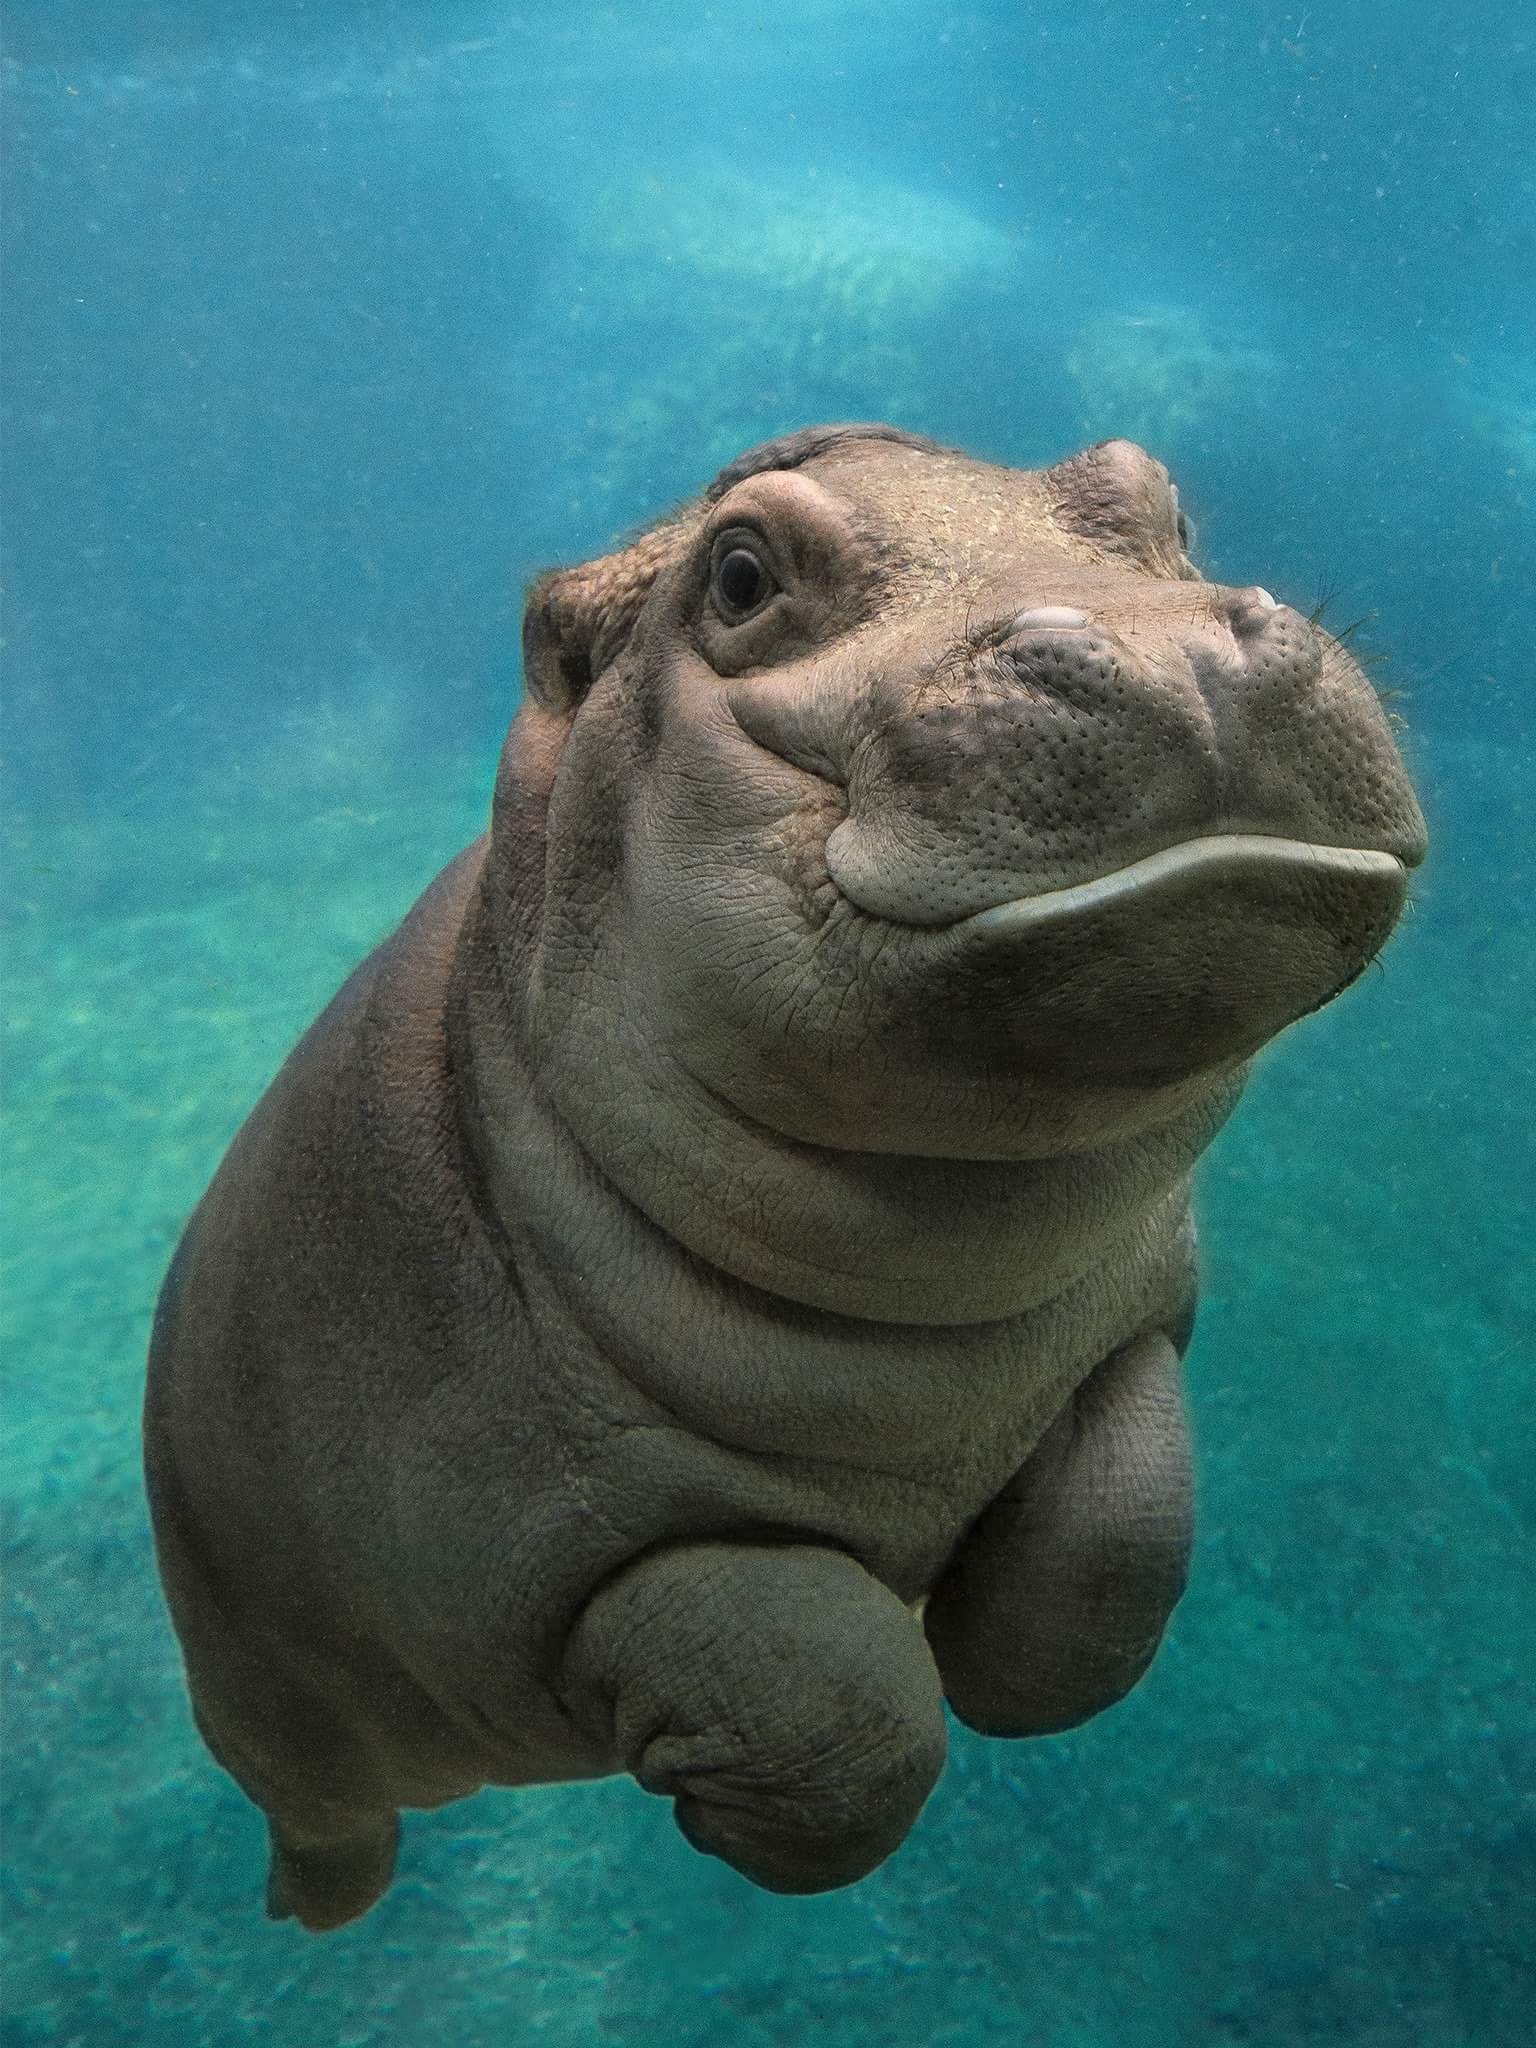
(710, 1289)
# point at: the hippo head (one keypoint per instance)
(906, 803)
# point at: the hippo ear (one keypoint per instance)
(1124, 501)
(578, 621)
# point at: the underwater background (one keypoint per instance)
(326, 325)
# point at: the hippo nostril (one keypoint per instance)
(1047, 615)
(1251, 610)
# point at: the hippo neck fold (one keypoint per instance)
(881, 1236)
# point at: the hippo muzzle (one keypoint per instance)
(1172, 826)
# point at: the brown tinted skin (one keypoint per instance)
(702, 1295)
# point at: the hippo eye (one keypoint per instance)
(740, 581)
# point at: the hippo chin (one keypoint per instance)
(711, 1287)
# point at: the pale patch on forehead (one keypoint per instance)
(948, 525)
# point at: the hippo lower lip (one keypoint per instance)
(1216, 858)
(1189, 958)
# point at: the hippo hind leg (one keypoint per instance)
(333, 1830)
(329, 1862)
(324, 1880)
(333, 1827)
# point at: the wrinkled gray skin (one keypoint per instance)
(711, 1286)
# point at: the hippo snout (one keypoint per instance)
(1075, 741)
(1193, 790)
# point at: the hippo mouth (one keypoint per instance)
(1174, 868)
(1191, 957)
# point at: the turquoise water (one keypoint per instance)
(327, 325)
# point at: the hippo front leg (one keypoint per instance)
(1055, 1603)
(785, 1700)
